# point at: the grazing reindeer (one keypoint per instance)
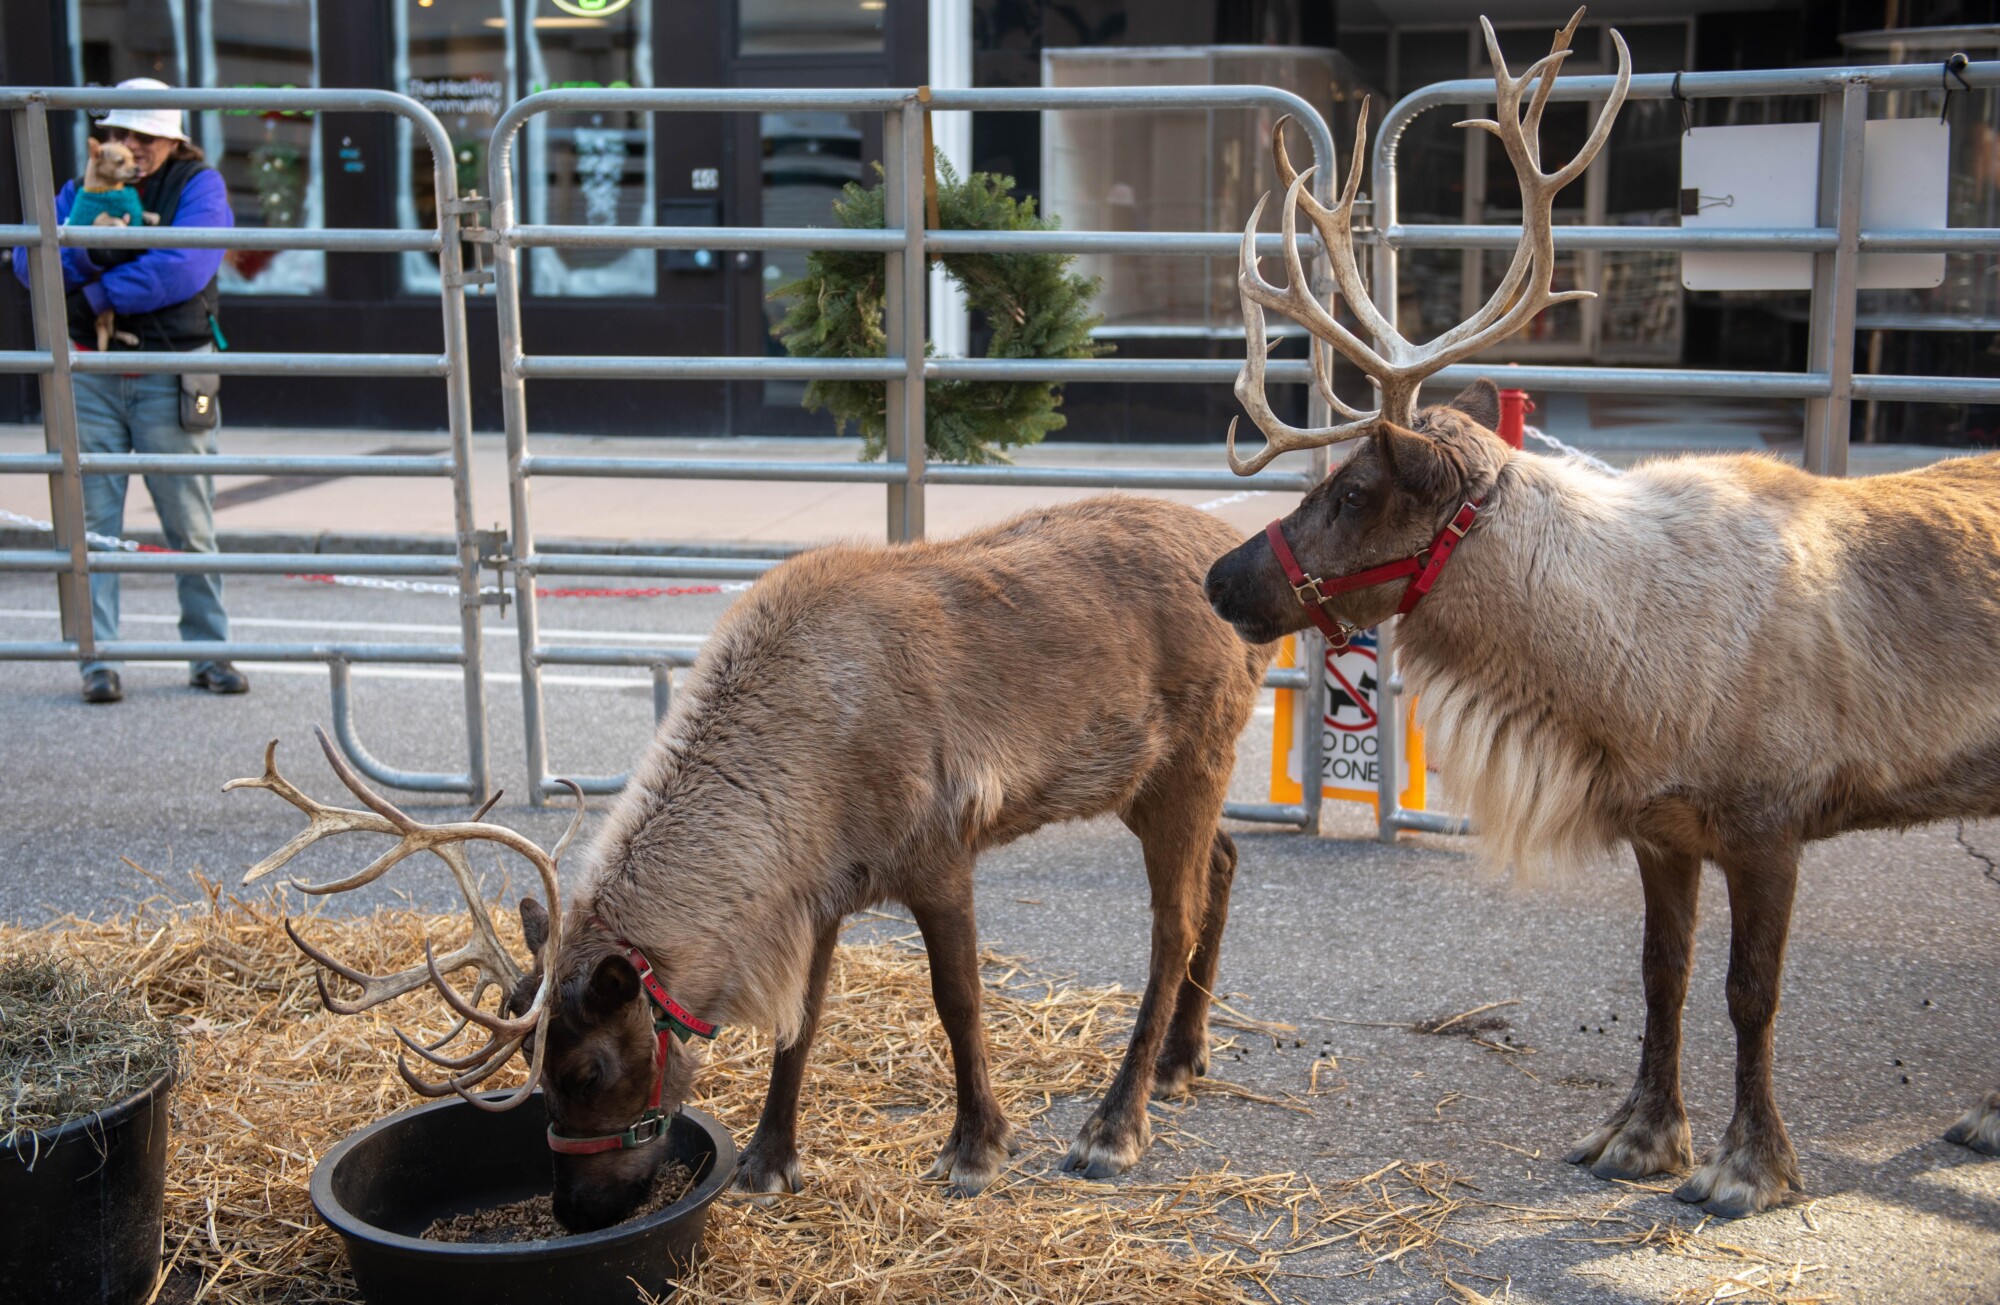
(1711, 658)
(860, 727)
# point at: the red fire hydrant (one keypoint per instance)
(1514, 408)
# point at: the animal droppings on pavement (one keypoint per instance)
(271, 1081)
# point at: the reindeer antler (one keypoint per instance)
(482, 952)
(1397, 366)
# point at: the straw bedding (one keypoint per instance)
(270, 1082)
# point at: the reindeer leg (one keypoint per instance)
(771, 1162)
(981, 1139)
(1177, 829)
(1649, 1133)
(1755, 1165)
(1185, 1056)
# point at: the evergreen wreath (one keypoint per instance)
(1036, 307)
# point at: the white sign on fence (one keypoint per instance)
(1350, 732)
(1767, 177)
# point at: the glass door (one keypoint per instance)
(798, 163)
(590, 169)
(270, 160)
(456, 58)
(787, 171)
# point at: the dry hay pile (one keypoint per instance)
(71, 1044)
(271, 1082)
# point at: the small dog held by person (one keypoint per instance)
(107, 198)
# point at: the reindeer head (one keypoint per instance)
(1385, 503)
(611, 1076)
(1397, 492)
(592, 1039)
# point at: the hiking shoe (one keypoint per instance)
(220, 677)
(101, 685)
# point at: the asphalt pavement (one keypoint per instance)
(1887, 1032)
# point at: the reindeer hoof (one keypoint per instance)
(967, 1169)
(1636, 1145)
(1103, 1148)
(1979, 1127)
(1734, 1182)
(766, 1177)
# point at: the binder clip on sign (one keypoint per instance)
(1350, 732)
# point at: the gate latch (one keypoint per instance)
(495, 553)
(476, 235)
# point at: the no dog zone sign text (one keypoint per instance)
(1350, 732)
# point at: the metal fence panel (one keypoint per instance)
(55, 364)
(904, 473)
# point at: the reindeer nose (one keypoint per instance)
(1216, 587)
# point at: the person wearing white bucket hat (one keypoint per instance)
(166, 299)
(160, 124)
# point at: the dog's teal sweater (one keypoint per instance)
(123, 202)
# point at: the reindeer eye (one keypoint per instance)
(1355, 499)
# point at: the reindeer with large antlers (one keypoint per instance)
(1710, 658)
(860, 727)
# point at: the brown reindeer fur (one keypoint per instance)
(1708, 657)
(860, 727)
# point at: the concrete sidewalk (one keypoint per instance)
(311, 514)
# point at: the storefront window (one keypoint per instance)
(590, 169)
(810, 26)
(270, 160)
(455, 57)
(806, 159)
(111, 40)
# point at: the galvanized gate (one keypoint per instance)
(906, 246)
(1830, 385)
(73, 561)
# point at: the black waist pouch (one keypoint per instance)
(201, 402)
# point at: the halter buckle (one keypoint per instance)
(1308, 593)
(649, 1129)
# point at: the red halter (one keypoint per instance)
(1314, 593)
(670, 1020)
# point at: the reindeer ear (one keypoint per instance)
(1416, 462)
(534, 924)
(1481, 402)
(612, 984)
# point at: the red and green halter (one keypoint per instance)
(670, 1020)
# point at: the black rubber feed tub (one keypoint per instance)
(384, 1185)
(83, 1226)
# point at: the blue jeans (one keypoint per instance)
(142, 414)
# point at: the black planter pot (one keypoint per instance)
(83, 1225)
(384, 1185)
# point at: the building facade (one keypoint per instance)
(468, 60)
